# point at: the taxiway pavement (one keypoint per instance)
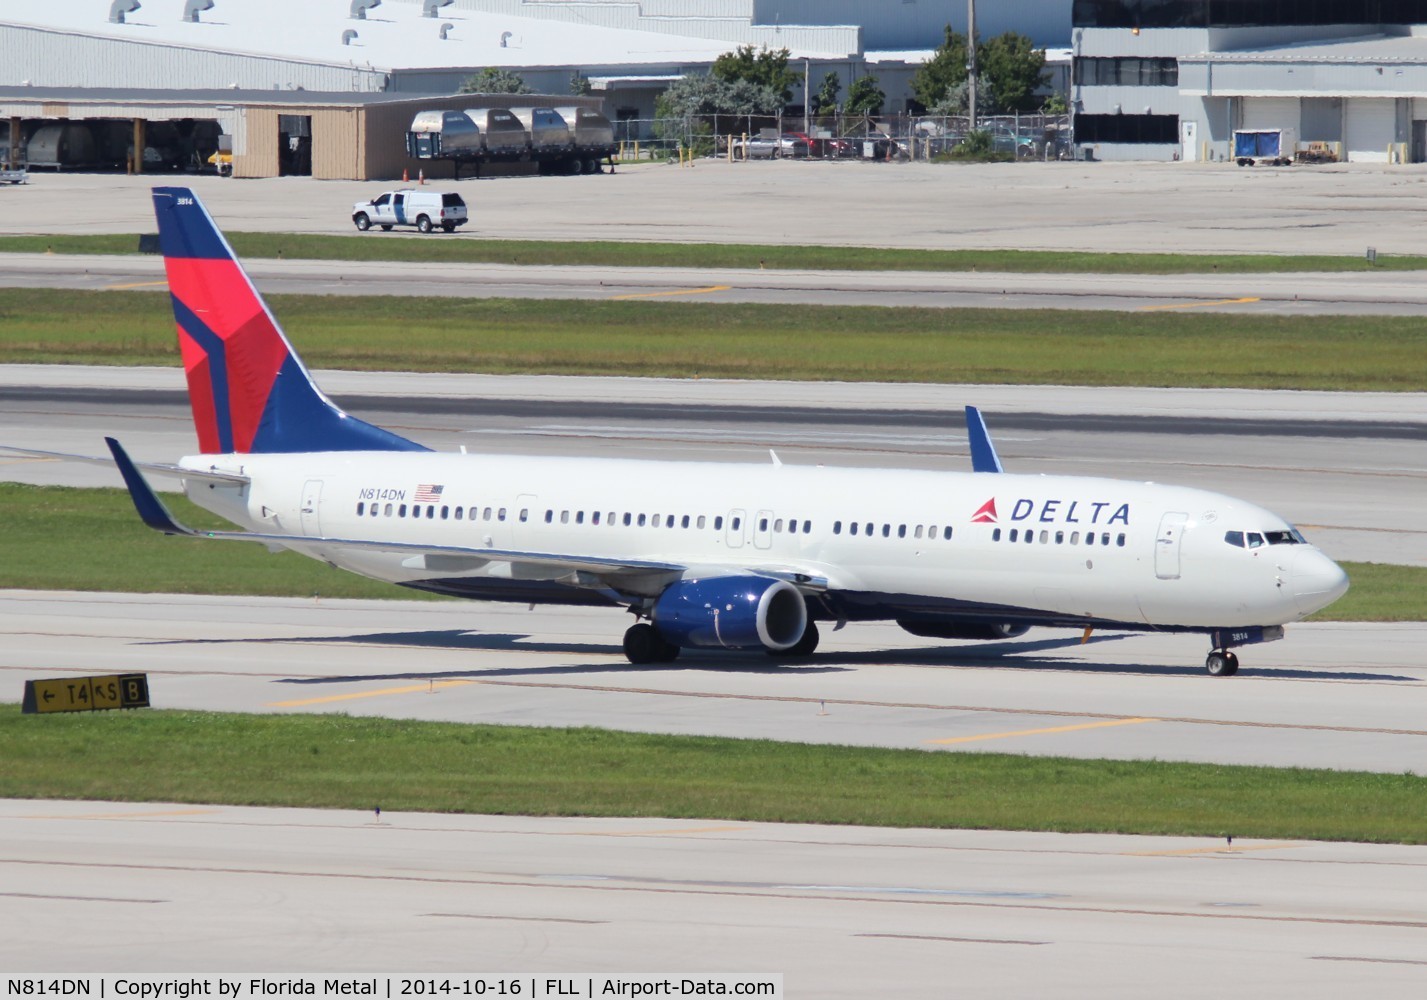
(841, 912)
(1303, 294)
(1333, 695)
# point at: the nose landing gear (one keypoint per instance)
(1222, 663)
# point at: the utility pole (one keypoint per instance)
(807, 99)
(971, 57)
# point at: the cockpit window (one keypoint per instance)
(1235, 538)
(1255, 539)
(1289, 537)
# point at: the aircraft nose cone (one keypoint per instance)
(1317, 581)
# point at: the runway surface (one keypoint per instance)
(1343, 696)
(841, 912)
(1350, 468)
(1382, 293)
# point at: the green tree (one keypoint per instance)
(494, 81)
(580, 85)
(864, 97)
(1055, 104)
(943, 71)
(1014, 69)
(825, 102)
(765, 67)
(697, 95)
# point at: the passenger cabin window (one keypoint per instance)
(459, 512)
(360, 508)
(946, 532)
(837, 527)
(401, 511)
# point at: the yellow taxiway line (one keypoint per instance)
(1201, 305)
(136, 284)
(677, 291)
(412, 689)
(1041, 732)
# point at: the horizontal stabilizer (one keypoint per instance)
(153, 468)
(983, 452)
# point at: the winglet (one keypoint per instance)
(146, 501)
(983, 452)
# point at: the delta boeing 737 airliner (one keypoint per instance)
(705, 556)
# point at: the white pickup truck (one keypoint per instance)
(423, 209)
(13, 176)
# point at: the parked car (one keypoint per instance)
(758, 147)
(795, 144)
(423, 209)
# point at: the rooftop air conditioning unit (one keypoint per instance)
(430, 7)
(360, 7)
(119, 8)
(191, 9)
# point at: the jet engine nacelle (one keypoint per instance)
(964, 630)
(731, 612)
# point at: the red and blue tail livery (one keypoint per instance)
(249, 390)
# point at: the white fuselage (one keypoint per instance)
(880, 543)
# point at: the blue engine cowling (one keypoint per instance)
(731, 612)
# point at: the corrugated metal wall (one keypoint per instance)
(259, 157)
(336, 146)
(61, 59)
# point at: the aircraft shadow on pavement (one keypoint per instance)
(1008, 655)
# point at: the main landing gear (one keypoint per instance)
(644, 645)
(1222, 663)
(803, 647)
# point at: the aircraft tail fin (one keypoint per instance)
(249, 390)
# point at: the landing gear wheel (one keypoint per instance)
(362, 222)
(804, 646)
(644, 645)
(1223, 664)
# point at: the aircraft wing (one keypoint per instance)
(157, 468)
(640, 576)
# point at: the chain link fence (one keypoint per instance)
(903, 137)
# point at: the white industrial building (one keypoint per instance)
(107, 62)
(1174, 79)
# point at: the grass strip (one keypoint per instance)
(470, 249)
(757, 341)
(63, 538)
(342, 762)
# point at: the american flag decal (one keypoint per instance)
(426, 493)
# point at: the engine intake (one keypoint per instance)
(731, 612)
